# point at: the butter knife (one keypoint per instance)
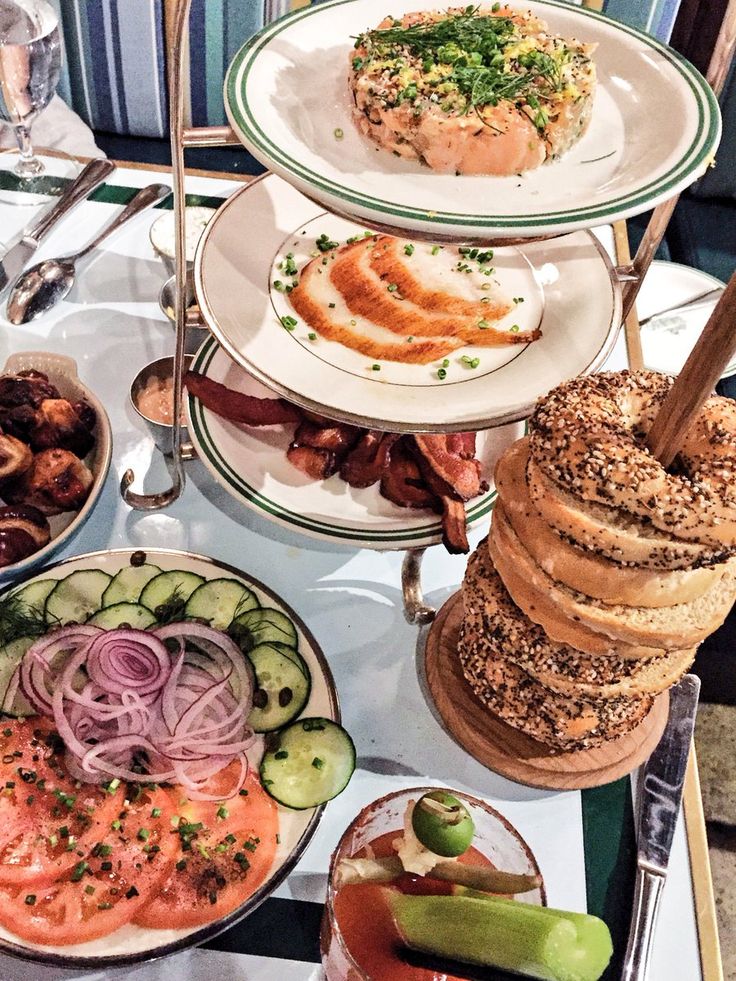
(12, 263)
(659, 805)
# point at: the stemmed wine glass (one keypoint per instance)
(30, 64)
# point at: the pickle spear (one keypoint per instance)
(533, 941)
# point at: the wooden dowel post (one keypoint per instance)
(702, 370)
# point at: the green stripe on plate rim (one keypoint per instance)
(213, 456)
(238, 110)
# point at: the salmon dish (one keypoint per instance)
(396, 300)
(473, 90)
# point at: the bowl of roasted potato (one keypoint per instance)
(55, 450)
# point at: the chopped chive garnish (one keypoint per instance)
(317, 763)
(436, 249)
(144, 834)
(375, 367)
(392, 287)
(90, 890)
(156, 812)
(409, 249)
(181, 865)
(278, 285)
(30, 900)
(281, 755)
(475, 362)
(514, 328)
(485, 324)
(288, 322)
(312, 336)
(446, 363)
(222, 812)
(339, 133)
(325, 244)
(331, 306)
(243, 793)
(79, 869)
(106, 866)
(104, 906)
(441, 374)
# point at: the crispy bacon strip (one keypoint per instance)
(402, 480)
(332, 436)
(447, 472)
(365, 464)
(315, 463)
(237, 407)
(454, 526)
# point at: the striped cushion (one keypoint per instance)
(115, 69)
(114, 75)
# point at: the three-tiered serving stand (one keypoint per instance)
(626, 277)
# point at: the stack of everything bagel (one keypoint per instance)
(603, 571)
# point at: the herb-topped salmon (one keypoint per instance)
(474, 90)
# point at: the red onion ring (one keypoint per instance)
(127, 707)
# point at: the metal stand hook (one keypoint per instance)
(153, 502)
(416, 610)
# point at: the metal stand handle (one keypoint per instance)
(153, 502)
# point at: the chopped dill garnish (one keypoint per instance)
(17, 620)
(469, 60)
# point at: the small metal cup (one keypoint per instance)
(167, 258)
(196, 329)
(163, 433)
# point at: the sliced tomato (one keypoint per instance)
(226, 850)
(108, 884)
(45, 816)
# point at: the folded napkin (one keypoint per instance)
(59, 128)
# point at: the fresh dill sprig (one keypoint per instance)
(474, 46)
(465, 31)
(172, 609)
(17, 619)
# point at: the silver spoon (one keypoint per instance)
(39, 288)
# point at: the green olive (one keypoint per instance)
(442, 824)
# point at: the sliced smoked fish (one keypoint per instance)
(321, 305)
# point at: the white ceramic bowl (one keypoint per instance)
(62, 372)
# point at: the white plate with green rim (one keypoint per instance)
(286, 96)
(567, 287)
(668, 337)
(130, 943)
(251, 464)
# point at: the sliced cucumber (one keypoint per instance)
(76, 598)
(219, 601)
(128, 584)
(128, 614)
(35, 594)
(282, 688)
(175, 585)
(262, 626)
(12, 700)
(293, 654)
(311, 763)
